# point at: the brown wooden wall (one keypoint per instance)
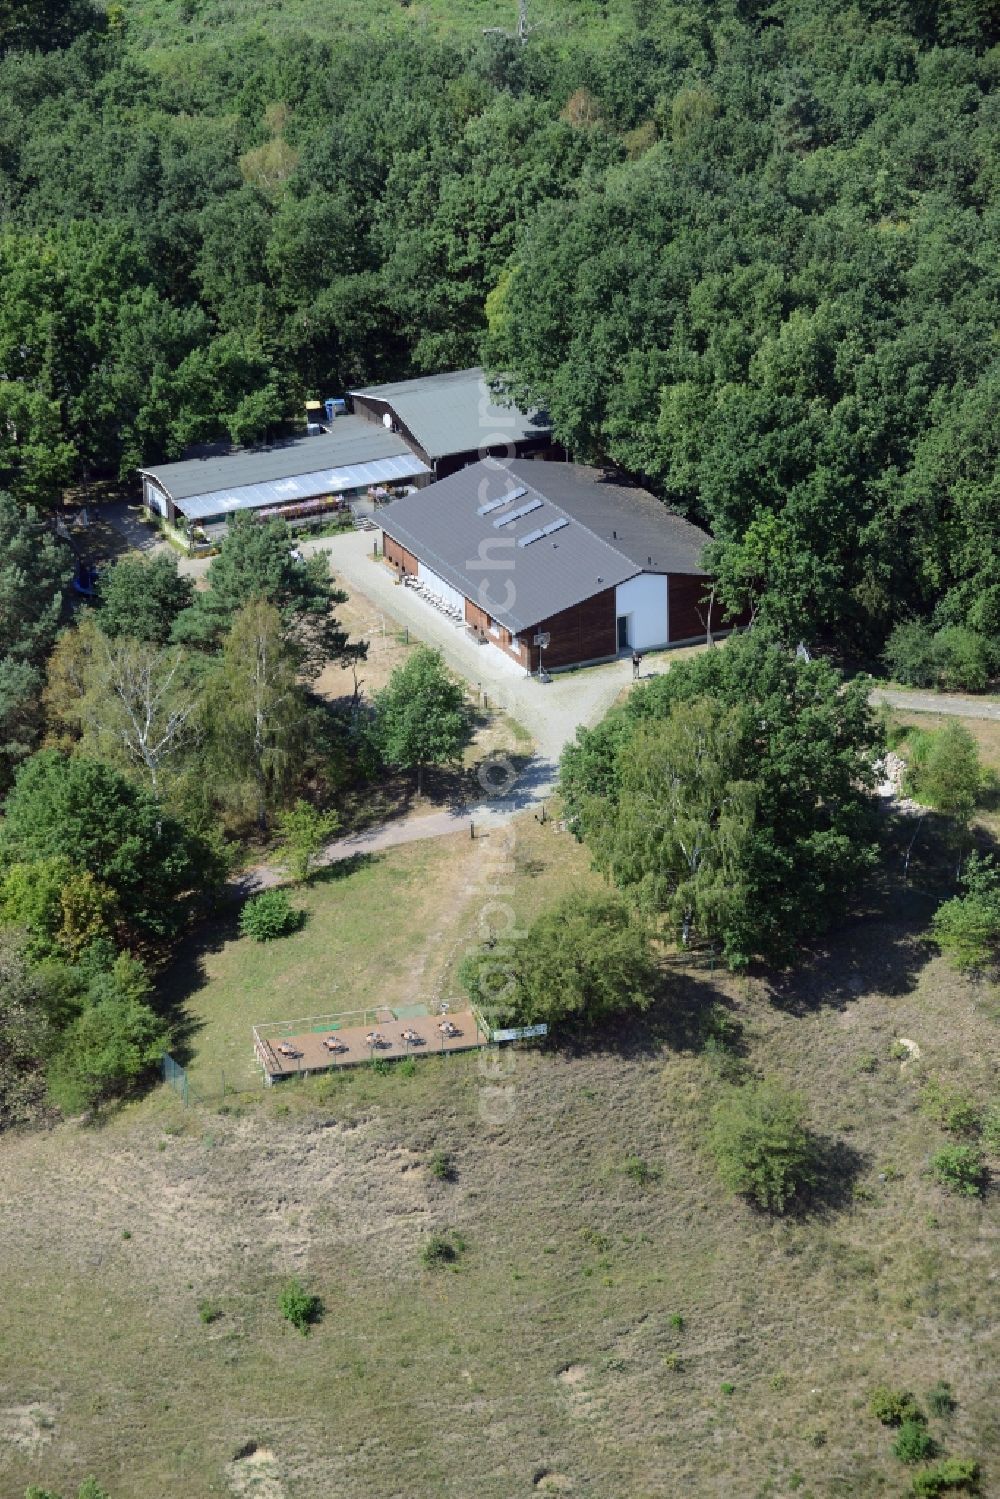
(528, 447)
(585, 632)
(686, 608)
(589, 630)
(477, 619)
(398, 555)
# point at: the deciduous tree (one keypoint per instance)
(967, 927)
(93, 817)
(130, 703)
(257, 709)
(679, 835)
(23, 1034)
(420, 716)
(304, 830)
(579, 965)
(766, 786)
(257, 562)
(115, 1039)
(141, 597)
(35, 569)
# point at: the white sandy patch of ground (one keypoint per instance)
(255, 1475)
(27, 1427)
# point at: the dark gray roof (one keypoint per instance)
(520, 585)
(632, 520)
(352, 441)
(456, 413)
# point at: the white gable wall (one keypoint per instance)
(154, 497)
(645, 599)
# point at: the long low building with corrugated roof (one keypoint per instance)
(345, 461)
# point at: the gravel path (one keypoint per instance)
(476, 819)
(938, 702)
(551, 712)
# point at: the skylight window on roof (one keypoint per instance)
(549, 530)
(507, 520)
(512, 494)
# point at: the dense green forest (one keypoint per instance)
(747, 251)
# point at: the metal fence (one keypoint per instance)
(211, 1089)
(173, 1073)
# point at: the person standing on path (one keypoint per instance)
(636, 663)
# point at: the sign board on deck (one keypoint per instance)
(520, 1033)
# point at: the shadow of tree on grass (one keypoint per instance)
(340, 869)
(838, 1166)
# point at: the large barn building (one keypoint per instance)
(453, 420)
(342, 463)
(551, 563)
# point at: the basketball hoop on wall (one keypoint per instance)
(542, 640)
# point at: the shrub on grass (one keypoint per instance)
(722, 1037)
(299, 1307)
(269, 915)
(895, 1407)
(954, 1110)
(89, 1489)
(960, 1168)
(209, 1312)
(953, 1473)
(441, 1249)
(955, 657)
(914, 1443)
(304, 832)
(441, 1166)
(944, 770)
(966, 660)
(639, 1171)
(967, 927)
(991, 1130)
(762, 1146)
(941, 1399)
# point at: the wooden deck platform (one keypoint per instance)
(306, 1053)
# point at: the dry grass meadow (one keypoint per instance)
(612, 1329)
